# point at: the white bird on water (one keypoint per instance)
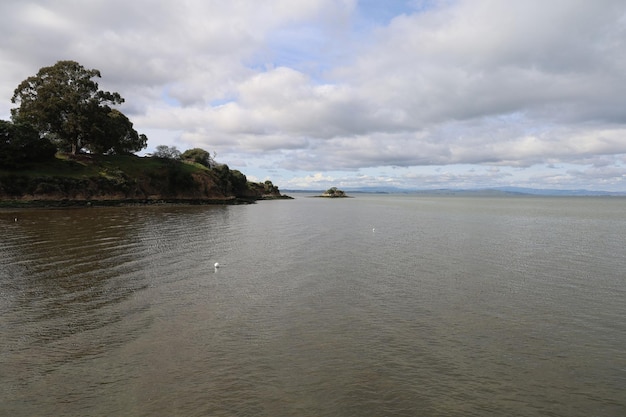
(217, 265)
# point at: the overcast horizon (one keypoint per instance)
(418, 94)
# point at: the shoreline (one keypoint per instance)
(67, 203)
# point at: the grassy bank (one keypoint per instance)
(100, 179)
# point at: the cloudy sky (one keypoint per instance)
(414, 94)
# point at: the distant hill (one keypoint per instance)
(93, 179)
(477, 191)
(551, 192)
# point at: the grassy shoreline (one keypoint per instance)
(97, 180)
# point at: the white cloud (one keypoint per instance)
(325, 86)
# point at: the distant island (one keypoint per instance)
(333, 193)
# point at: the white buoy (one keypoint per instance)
(217, 265)
(16, 219)
(373, 230)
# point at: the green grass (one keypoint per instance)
(88, 166)
(58, 167)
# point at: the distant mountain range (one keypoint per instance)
(477, 191)
(537, 191)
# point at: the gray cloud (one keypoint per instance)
(314, 85)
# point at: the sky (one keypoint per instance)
(412, 94)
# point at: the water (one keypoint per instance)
(371, 306)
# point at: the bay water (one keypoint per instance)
(378, 305)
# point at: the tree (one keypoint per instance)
(199, 156)
(63, 103)
(238, 181)
(231, 180)
(21, 144)
(334, 192)
(269, 187)
(112, 133)
(166, 152)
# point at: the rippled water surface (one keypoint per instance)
(370, 306)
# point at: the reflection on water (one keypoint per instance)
(453, 306)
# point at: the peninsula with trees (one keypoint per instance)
(66, 144)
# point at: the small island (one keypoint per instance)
(334, 193)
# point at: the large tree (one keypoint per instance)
(64, 103)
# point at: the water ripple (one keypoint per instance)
(450, 307)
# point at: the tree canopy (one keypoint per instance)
(232, 180)
(112, 132)
(21, 144)
(334, 192)
(166, 152)
(64, 103)
(199, 156)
